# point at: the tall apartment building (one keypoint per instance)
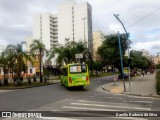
(45, 29)
(98, 37)
(28, 40)
(75, 22)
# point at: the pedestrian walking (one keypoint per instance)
(114, 79)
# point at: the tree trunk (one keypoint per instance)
(40, 60)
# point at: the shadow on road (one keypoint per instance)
(76, 89)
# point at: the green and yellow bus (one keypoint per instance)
(75, 75)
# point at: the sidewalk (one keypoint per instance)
(143, 86)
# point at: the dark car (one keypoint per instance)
(121, 77)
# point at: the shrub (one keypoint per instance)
(158, 83)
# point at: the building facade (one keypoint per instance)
(98, 37)
(29, 41)
(45, 29)
(75, 22)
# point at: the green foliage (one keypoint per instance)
(97, 66)
(109, 50)
(13, 58)
(138, 60)
(47, 72)
(158, 83)
(67, 52)
(38, 47)
(158, 66)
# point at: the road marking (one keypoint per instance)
(142, 101)
(90, 101)
(2, 91)
(132, 96)
(84, 108)
(110, 106)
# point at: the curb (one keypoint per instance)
(105, 89)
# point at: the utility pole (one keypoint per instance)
(120, 50)
(84, 30)
(127, 35)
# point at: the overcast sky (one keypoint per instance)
(140, 17)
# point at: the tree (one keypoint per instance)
(37, 47)
(4, 63)
(97, 65)
(67, 52)
(13, 59)
(138, 60)
(17, 58)
(109, 50)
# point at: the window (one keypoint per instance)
(78, 69)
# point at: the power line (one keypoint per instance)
(135, 22)
(143, 18)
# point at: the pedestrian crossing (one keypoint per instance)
(99, 106)
(103, 106)
(105, 103)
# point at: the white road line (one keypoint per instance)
(132, 96)
(107, 94)
(110, 106)
(142, 101)
(87, 108)
(90, 101)
(2, 91)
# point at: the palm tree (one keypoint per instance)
(37, 47)
(67, 52)
(17, 58)
(4, 62)
(13, 58)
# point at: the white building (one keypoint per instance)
(45, 29)
(98, 37)
(29, 41)
(75, 22)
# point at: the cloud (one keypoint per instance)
(16, 19)
(152, 46)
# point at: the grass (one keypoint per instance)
(101, 75)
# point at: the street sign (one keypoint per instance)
(79, 55)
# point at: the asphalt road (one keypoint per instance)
(26, 99)
(92, 98)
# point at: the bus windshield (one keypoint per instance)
(78, 69)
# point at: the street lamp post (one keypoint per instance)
(84, 29)
(128, 42)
